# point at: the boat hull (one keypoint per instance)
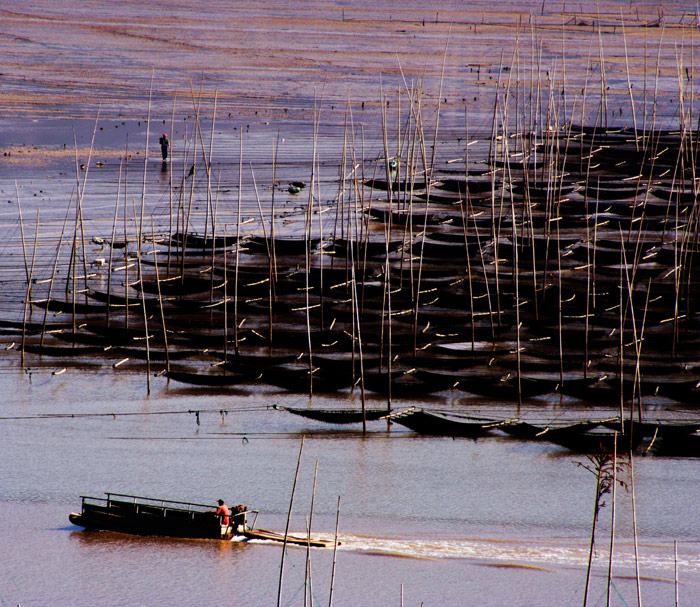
(151, 517)
(199, 525)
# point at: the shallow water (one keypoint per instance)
(432, 521)
(453, 521)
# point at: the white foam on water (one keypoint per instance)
(654, 559)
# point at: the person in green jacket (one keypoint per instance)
(164, 146)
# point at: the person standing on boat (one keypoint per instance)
(239, 519)
(224, 512)
(164, 146)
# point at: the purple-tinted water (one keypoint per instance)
(428, 521)
(452, 521)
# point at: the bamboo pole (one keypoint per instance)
(307, 248)
(335, 554)
(307, 574)
(634, 533)
(675, 572)
(286, 528)
(238, 244)
(29, 290)
(139, 274)
(160, 306)
(594, 524)
(226, 297)
(170, 186)
(111, 247)
(21, 231)
(55, 269)
(612, 517)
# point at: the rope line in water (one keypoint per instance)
(133, 413)
(272, 436)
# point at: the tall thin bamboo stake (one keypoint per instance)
(307, 576)
(111, 246)
(269, 245)
(358, 328)
(226, 298)
(675, 572)
(170, 185)
(307, 236)
(139, 241)
(428, 172)
(594, 524)
(55, 269)
(187, 210)
(634, 533)
(612, 518)
(81, 197)
(356, 325)
(286, 528)
(29, 289)
(126, 235)
(21, 231)
(387, 271)
(238, 243)
(517, 301)
(603, 82)
(335, 554)
(208, 160)
(142, 291)
(629, 84)
(160, 306)
(275, 149)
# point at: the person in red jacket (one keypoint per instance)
(224, 512)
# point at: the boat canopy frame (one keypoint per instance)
(162, 504)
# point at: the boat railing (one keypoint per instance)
(138, 501)
(246, 513)
(149, 501)
(163, 505)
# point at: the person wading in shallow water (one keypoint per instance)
(224, 512)
(164, 146)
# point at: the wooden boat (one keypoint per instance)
(445, 424)
(159, 355)
(196, 241)
(208, 379)
(297, 379)
(256, 363)
(506, 387)
(119, 301)
(402, 384)
(678, 445)
(282, 246)
(396, 186)
(65, 351)
(522, 430)
(138, 515)
(69, 307)
(474, 186)
(594, 440)
(337, 416)
(177, 286)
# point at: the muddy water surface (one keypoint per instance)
(437, 521)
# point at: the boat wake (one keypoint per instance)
(654, 559)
